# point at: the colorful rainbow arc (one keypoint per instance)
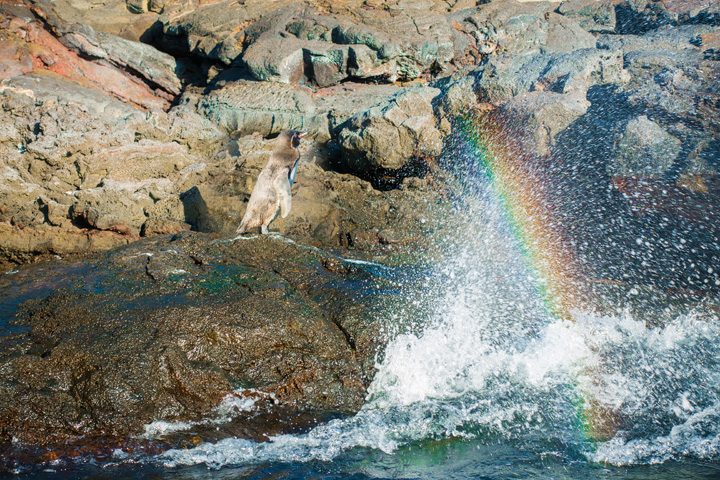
(521, 189)
(520, 182)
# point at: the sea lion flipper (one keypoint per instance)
(282, 189)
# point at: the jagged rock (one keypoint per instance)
(245, 107)
(389, 135)
(34, 49)
(593, 15)
(644, 150)
(581, 69)
(109, 16)
(24, 245)
(146, 165)
(98, 364)
(343, 101)
(276, 59)
(458, 96)
(328, 64)
(296, 43)
(213, 30)
(684, 37)
(109, 209)
(520, 27)
(670, 72)
(544, 116)
(505, 76)
(640, 16)
(163, 226)
(155, 67)
(58, 214)
(64, 142)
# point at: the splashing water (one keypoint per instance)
(505, 360)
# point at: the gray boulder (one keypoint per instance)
(389, 135)
(152, 65)
(296, 43)
(245, 107)
(581, 69)
(640, 16)
(644, 149)
(543, 116)
(592, 15)
(521, 27)
(505, 76)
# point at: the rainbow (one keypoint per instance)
(521, 185)
(520, 181)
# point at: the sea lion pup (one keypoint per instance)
(272, 189)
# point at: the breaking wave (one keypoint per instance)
(494, 366)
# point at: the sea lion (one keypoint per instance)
(272, 189)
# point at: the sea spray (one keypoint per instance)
(507, 357)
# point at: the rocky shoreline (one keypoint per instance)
(139, 127)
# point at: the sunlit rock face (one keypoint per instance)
(155, 116)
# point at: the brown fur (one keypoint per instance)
(272, 189)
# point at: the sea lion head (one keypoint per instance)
(290, 138)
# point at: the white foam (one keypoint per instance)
(696, 437)
(241, 400)
(159, 428)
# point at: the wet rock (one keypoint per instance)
(521, 27)
(388, 136)
(544, 116)
(582, 69)
(505, 76)
(669, 72)
(638, 17)
(644, 150)
(171, 327)
(684, 37)
(593, 15)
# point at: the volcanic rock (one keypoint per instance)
(644, 150)
(166, 328)
(389, 135)
(593, 15)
